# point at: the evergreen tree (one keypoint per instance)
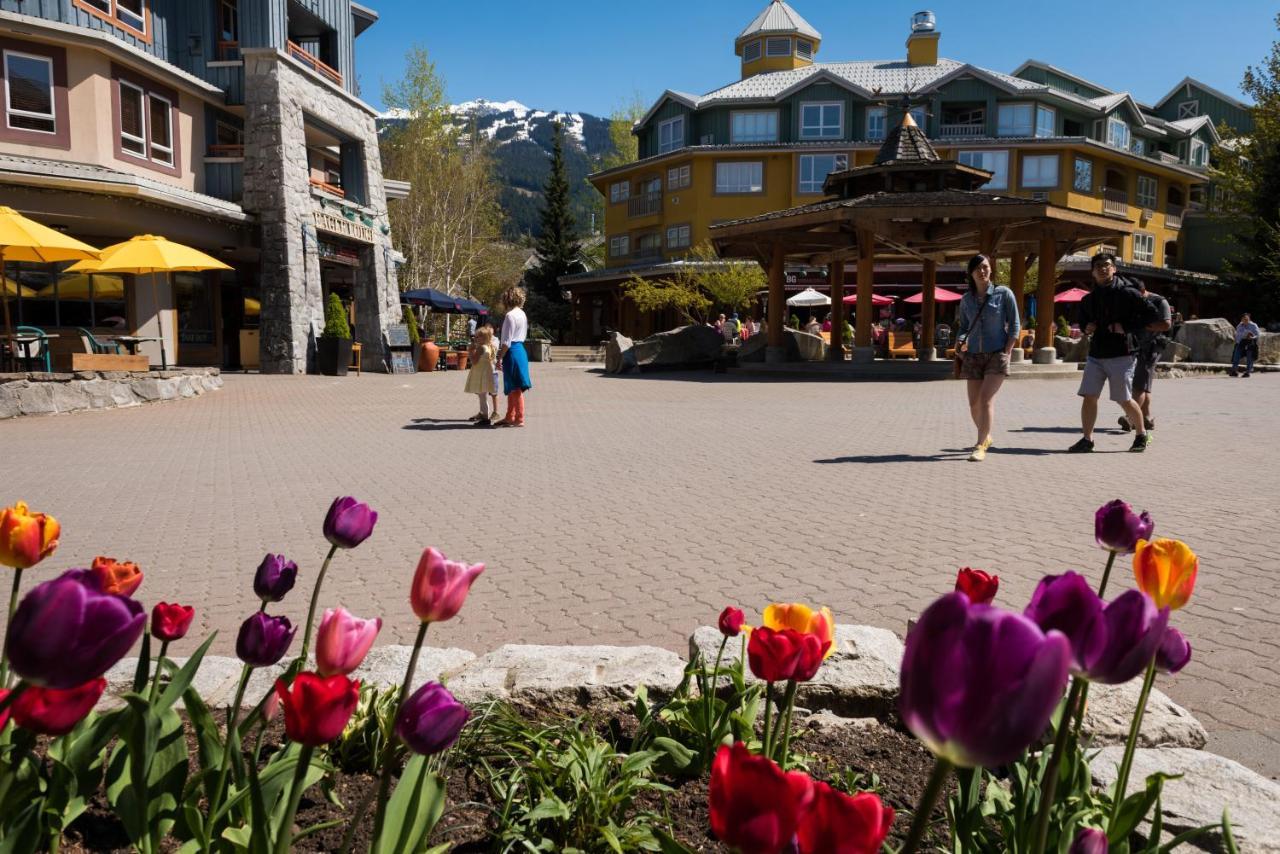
(557, 246)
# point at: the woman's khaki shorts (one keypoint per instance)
(977, 366)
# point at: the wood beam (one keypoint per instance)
(835, 285)
(1044, 292)
(928, 306)
(866, 282)
(777, 294)
(1018, 280)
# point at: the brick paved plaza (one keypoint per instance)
(633, 509)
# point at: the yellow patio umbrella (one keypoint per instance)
(11, 289)
(252, 307)
(24, 239)
(77, 287)
(148, 254)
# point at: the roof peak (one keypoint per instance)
(779, 17)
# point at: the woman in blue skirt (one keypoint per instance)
(515, 361)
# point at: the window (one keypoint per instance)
(678, 237)
(759, 126)
(1138, 145)
(919, 116)
(1040, 170)
(777, 47)
(1117, 134)
(1083, 180)
(1144, 248)
(29, 92)
(229, 20)
(1147, 192)
(649, 244)
(127, 14)
(671, 135)
(226, 134)
(1046, 122)
(804, 48)
(619, 192)
(161, 126)
(1199, 153)
(133, 128)
(619, 246)
(740, 177)
(1014, 119)
(47, 298)
(194, 298)
(131, 13)
(877, 117)
(996, 162)
(678, 177)
(146, 115)
(814, 169)
(1188, 109)
(822, 121)
(751, 52)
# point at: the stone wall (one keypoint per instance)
(279, 96)
(46, 394)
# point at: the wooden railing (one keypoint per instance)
(226, 150)
(1115, 201)
(228, 50)
(649, 203)
(1173, 216)
(328, 188)
(313, 62)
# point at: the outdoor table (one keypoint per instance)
(131, 342)
(25, 341)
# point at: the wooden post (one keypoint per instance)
(928, 307)
(777, 295)
(987, 244)
(835, 283)
(866, 276)
(1018, 281)
(1044, 293)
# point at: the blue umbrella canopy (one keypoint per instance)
(441, 301)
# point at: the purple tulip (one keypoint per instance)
(67, 632)
(1089, 841)
(348, 522)
(264, 639)
(1174, 652)
(1117, 528)
(979, 683)
(275, 577)
(1066, 603)
(431, 719)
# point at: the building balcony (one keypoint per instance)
(313, 62)
(1173, 216)
(969, 130)
(1115, 202)
(645, 205)
(326, 187)
(649, 253)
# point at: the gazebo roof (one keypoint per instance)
(906, 162)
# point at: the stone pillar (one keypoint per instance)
(776, 350)
(835, 283)
(1045, 353)
(927, 352)
(863, 350)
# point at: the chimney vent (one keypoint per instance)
(923, 22)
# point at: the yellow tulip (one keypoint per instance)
(1166, 571)
(801, 618)
(26, 538)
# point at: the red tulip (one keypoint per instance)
(778, 656)
(26, 538)
(316, 708)
(54, 711)
(171, 622)
(755, 805)
(120, 578)
(841, 824)
(440, 586)
(731, 620)
(978, 585)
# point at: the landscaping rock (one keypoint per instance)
(811, 347)
(824, 722)
(800, 347)
(1166, 724)
(36, 399)
(216, 680)
(619, 357)
(151, 388)
(1175, 352)
(568, 675)
(385, 665)
(691, 346)
(1269, 348)
(1071, 349)
(1210, 784)
(1210, 340)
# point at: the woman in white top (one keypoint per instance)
(515, 361)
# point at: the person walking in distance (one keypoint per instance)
(1111, 313)
(1246, 346)
(989, 318)
(1151, 341)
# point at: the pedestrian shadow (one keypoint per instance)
(441, 424)
(869, 459)
(1075, 429)
(1021, 452)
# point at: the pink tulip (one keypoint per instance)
(343, 641)
(440, 586)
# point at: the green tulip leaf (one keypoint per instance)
(142, 672)
(22, 831)
(415, 806)
(681, 757)
(184, 677)
(147, 774)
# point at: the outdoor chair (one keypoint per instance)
(355, 357)
(942, 335)
(901, 344)
(39, 352)
(96, 346)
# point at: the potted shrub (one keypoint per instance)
(333, 351)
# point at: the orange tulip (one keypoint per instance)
(120, 578)
(803, 619)
(1166, 571)
(26, 538)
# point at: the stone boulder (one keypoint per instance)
(1269, 348)
(694, 346)
(811, 347)
(801, 347)
(1210, 340)
(1071, 349)
(1175, 352)
(1209, 784)
(1165, 724)
(619, 357)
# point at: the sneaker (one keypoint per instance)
(1124, 424)
(1140, 443)
(979, 453)
(1246, 374)
(1084, 446)
(1231, 373)
(1149, 423)
(477, 417)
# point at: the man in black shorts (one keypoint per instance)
(1150, 341)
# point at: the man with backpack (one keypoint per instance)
(1112, 314)
(1151, 341)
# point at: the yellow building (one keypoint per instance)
(767, 142)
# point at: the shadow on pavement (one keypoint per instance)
(899, 458)
(441, 424)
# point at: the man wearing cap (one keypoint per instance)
(1112, 314)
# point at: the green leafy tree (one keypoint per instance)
(625, 147)
(701, 287)
(557, 246)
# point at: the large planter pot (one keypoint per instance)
(463, 360)
(428, 356)
(333, 356)
(538, 349)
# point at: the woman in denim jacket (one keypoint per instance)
(989, 328)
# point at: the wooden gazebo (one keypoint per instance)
(910, 205)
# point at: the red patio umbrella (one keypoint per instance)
(1071, 295)
(876, 299)
(939, 294)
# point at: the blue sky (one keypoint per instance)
(575, 55)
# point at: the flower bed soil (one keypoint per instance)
(899, 762)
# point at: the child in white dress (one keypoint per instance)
(480, 375)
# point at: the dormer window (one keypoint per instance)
(1199, 153)
(754, 126)
(751, 52)
(671, 135)
(1117, 133)
(777, 47)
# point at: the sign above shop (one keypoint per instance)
(333, 253)
(342, 227)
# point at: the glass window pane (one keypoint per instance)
(1045, 122)
(1083, 175)
(160, 129)
(194, 297)
(996, 162)
(132, 127)
(1014, 120)
(30, 92)
(131, 12)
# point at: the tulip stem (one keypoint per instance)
(1079, 711)
(311, 611)
(789, 701)
(1126, 764)
(13, 606)
(932, 791)
(1106, 574)
(1049, 783)
(8, 699)
(284, 838)
(232, 744)
(768, 711)
(708, 704)
(155, 683)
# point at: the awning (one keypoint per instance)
(939, 294)
(1071, 295)
(440, 301)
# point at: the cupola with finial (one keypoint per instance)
(777, 40)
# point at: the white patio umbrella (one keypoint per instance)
(808, 298)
